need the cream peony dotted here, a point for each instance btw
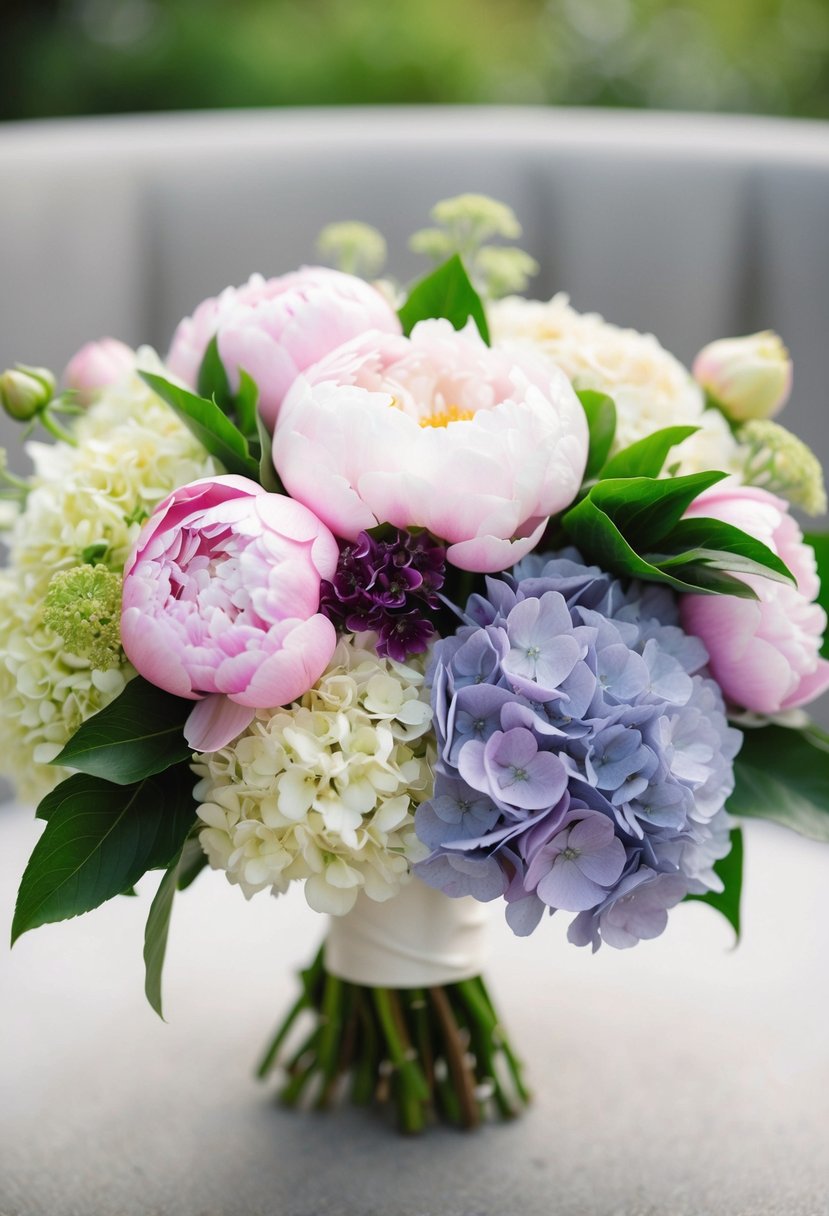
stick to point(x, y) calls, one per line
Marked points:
point(650, 387)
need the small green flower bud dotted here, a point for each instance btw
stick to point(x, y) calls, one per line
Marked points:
point(26, 391)
point(353, 247)
point(778, 461)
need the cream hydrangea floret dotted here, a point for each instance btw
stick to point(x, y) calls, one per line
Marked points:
point(650, 387)
point(325, 791)
point(86, 503)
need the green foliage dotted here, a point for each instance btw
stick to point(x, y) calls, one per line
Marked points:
point(634, 527)
point(646, 457)
point(601, 423)
point(760, 56)
point(446, 292)
point(212, 380)
point(730, 870)
point(210, 425)
point(99, 840)
point(156, 932)
point(820, 543)
point(135, 736)
point(783, 775)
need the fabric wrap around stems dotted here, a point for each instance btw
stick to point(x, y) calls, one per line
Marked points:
point(421, 938)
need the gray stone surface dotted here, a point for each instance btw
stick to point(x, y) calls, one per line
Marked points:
point(678, 1079)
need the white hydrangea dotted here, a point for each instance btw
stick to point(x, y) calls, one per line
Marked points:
point(650, 387)
point(324, 791)
point(132, 451)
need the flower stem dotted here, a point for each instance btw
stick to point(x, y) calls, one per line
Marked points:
point(435, 1053)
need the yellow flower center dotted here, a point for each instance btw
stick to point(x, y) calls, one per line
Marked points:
point(452, 413)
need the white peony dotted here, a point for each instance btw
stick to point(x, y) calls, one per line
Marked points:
point(325, 790)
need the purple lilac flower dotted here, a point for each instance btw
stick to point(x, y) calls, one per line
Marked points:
point(389, 585)
point(584, 756)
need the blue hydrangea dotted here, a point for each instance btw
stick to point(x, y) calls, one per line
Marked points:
point(584, 756)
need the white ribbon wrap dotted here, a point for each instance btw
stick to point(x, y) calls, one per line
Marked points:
point(419, 939)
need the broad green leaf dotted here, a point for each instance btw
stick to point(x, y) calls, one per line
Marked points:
point(211, 427)
point(646, 509)
point(820, 543)
point(724, 547)
point(446, 292)
point(646, 457)
point(99, 839)
point(212, 381)
point(267, 473)
point(783, 775)
point(730, 870)
point(601, 423)
point(155, 934)
point(136, 735)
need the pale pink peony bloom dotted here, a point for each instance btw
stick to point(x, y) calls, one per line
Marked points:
point(438, 431)
point(765, 653)
point(97, 365)
point(220, 605)
point(748, 377)
point(274, 328)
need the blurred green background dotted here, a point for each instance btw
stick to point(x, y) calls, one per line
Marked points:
point(106, 56)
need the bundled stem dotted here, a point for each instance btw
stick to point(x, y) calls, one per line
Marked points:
point(435, 1053)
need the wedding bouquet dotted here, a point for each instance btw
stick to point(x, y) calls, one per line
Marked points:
point(423, 599)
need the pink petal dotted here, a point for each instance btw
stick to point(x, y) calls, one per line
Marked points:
point(214, 722)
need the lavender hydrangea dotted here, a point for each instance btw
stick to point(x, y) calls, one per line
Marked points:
point(584, 756)
point(388, 584)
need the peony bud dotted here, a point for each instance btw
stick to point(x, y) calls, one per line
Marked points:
point(747, 377)
point(26, 391)
point(97, 365)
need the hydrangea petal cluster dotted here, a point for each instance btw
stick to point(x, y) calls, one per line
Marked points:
point(85, 501)
point(650, 387)
point(220, 602)
point(435, 431)
point(388, 585)
point(764, 653)
point(324, 792)
point(584, 757)
point(274, 328)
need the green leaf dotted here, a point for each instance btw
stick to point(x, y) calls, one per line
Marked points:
point(601, 423)
point(646, 509)
point(267, 473)
point(783, 775)
point(136, 735)
point(820, 543)
point(646, 457)
point(446, 292)
point(155, 934)
point(99, 839)
point(245, 403)
point(634, 527)
point(212, 381)
point(212, 428)
point(193, 861)
point(730, 870)
point(724, 547)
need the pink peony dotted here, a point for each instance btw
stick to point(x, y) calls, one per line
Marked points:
point(220, 603)
point(96, 366)
point(765, 653)
point(274, 328)
point(438, 431)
